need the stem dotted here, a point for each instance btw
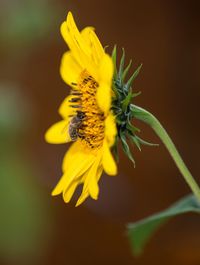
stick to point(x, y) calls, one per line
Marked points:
point(152, 121)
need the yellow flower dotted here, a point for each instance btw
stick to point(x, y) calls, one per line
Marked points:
point(86, 112)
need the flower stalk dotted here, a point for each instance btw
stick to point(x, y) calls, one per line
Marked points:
point(145, 116)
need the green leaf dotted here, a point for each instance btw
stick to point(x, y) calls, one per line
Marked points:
point(132, 78)
point(140, 232)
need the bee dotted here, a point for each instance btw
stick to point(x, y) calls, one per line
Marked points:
point(75, 124)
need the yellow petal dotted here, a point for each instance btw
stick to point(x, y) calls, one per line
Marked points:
point(103, 97)
point(65, 109)
point(68, 195)
point(82, 198)
point(72, 174)
point(108, 161)
point(110, 129)
point(106, 69)
point(60, 186)
point(91, 38)
point(76, 154)
point(94, 187)
point(58, 133)
point(70, 70)
point(85, 33)
point(92, 190)
point(75, 35)
point(80, 50)
point(104, 92)
point(76, 170)
point(92, 177)
point(76, 162)
point(75, 41)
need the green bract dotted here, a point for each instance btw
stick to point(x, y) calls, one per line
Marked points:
point(122, 106)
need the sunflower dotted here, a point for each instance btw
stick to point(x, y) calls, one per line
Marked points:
point(87, 119)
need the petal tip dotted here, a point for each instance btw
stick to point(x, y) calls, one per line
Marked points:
point(54, 193)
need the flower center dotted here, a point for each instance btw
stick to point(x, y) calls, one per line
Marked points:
point(88, 123)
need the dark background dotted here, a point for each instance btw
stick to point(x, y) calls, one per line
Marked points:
point(36, 228)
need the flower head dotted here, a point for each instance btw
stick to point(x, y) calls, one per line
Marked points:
point(87, 117)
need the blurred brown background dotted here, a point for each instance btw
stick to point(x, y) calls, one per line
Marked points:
point(38, 229)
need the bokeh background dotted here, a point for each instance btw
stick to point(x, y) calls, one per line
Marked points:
point(38, 229)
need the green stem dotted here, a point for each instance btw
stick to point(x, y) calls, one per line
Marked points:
point(152, 121)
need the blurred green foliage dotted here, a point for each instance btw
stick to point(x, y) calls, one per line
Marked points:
point(13, 118)
point(26, 220)
point(26, 21)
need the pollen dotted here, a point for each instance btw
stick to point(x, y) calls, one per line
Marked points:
point(91, 128)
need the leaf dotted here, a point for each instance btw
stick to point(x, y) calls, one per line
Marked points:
point(140, 232)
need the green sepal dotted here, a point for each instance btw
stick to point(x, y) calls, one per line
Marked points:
point(114, 59)
point(135, 140)
point(126, 70)
point(121, 65)
point(143, 142)
point(126, 148)
point(134, 95)
point(127, 101)
point(132, 78)
point(130, 127)
point(121, 104)
point(138, 141)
